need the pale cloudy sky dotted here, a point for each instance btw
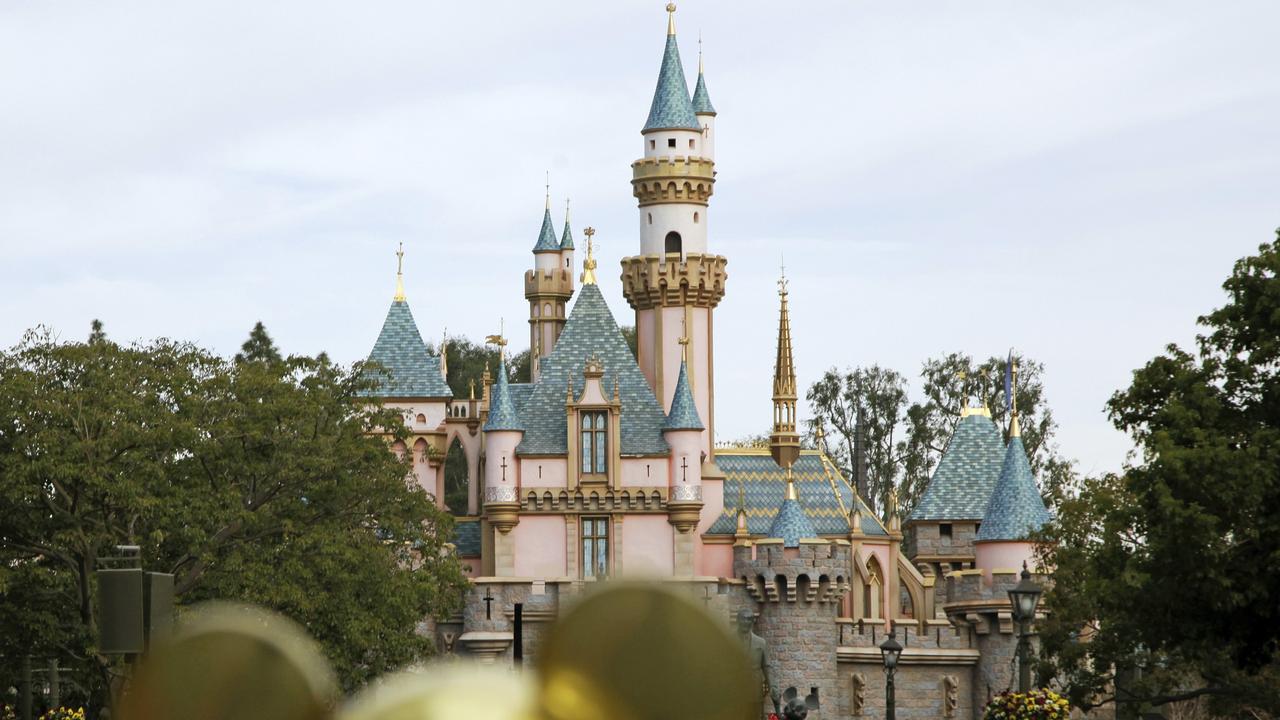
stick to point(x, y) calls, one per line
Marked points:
point(1070, 179)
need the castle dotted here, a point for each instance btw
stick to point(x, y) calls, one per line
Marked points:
point(606, 465)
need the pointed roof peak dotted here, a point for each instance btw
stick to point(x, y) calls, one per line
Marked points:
point(547, 235)
point(399, 296)
point(406, 369)
point(671, 108)
point(1016, 509)
point(791, 524)
point(502, 411)
point(701, 98)
point(566, 238)
point(684, 411)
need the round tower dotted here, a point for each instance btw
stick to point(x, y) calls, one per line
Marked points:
point(675, 283)
point(548, 287)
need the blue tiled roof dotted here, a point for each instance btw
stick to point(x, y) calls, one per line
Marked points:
point(502, 408)
point(684, 412)
point(408, 370)
point(1016, 508)
point(591, 330)
point(520, 394)
point(466, 538)
point(566, 238)
point(702, 100)
point(791, 524)
point(962, 483)
point(546, 236)
point(825, 496)
point(671, 108)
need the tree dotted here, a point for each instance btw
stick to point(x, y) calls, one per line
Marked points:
point(1165, 584)
point(878, 397)
point(467, 361)
point(263, 479)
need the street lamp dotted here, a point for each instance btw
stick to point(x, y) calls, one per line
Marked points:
point(1024, 597)
point(890, 650)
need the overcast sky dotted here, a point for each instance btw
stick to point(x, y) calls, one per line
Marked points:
point(1073, 180)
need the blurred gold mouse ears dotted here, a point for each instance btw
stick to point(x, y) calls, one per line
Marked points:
point(623, 652)
point(233, 661)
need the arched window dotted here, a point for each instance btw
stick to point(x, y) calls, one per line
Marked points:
point(594, 442)
point(456, 479)
point(673, 242)
point(650, 218)
point(695, 217)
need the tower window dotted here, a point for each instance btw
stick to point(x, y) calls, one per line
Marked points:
point(595, 443)
point(691, 144)
point(944, 530)
point(595, 547)
point(695, 216)
point(650, 218)
point(671, 142)
point(653, 144)
point(673, 243)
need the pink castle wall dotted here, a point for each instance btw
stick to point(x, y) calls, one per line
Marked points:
point(647, 545)
point(990, 556)
point(539, 543)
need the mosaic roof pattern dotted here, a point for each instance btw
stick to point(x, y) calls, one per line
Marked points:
point(408, 370)
point(791, 524)
point(466, 537)
point(1016, 508)
point(591, 331)
point(701, 99)
point(825, 496)
point(546, 236)
point(671, 106)
point(502, 409)
point(684, 412)
point(566, 238)
point(962, 483)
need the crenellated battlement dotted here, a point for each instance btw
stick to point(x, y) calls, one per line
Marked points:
point(650, 281)
point(815, 572)
point(552, 283)
point(673, 179)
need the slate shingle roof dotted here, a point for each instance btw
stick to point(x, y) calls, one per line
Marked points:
point(791, 525)
point(825, 496)
point(701, 99)
point(671, 108)
point(408, 370)
point(566, 238)
point(502, 408)
point(1016, 508)
point(466, 538)
point(591, 330)
point(684, 412)
point(962, 483)
point(546, 236)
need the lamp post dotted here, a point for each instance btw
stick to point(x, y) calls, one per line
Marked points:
point(890, 650)
point(1024, 597)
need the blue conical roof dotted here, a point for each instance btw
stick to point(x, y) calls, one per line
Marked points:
point(1016, 509)
point(502, 411)
point(961, 486)
point(684, 413)
point(791, 524)
point(547, 235)
point(671, 108)
point(407, 369)
point(566, 238)
point(701, 99)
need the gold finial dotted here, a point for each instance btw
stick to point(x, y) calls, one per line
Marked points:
point(791, 485)
point(671, 18)
point(548, 201)
point(444, 358)
point(1015, 430)
point(472, 384)
point(782, 279)
point(684, 338)
point(500, 340)
point(741, 530)
point(566, 211)
point(589, 264)
point(699, 52)
point(399, 296)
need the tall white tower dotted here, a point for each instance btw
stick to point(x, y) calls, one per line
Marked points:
point(674, 283)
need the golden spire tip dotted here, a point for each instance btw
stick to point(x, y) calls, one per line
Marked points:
point(589, 264)
point(671, 18)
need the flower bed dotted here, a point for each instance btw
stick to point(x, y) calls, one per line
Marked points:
point(1034, 705)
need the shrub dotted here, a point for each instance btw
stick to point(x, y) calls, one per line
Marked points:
point(1034, 705)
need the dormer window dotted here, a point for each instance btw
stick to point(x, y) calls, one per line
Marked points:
point(595, 442)
point(671, 142)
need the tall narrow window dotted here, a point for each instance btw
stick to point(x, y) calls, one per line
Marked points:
point(595, 443)
point(595, 547)
point(673, 242)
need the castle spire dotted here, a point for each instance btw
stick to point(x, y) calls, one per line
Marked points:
point(566, 238)
point(589, 264)
point(671, 108)
point(399, 296)
point(547, 235)
point(701, 98)
point(784, 442)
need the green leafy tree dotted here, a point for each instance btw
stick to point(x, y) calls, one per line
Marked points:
point(263, 479)
point(878, 397)
point(467, 361)
point(1166, 585)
